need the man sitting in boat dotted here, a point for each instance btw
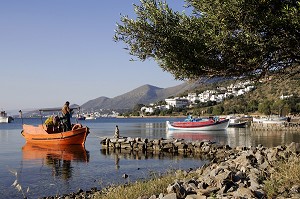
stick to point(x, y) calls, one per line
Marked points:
point(189, 118)
point(53, 124)
point(216, 119)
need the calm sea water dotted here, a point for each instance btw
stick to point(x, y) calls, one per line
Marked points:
point(42, 171)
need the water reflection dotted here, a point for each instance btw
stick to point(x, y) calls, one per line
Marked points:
point(123, 154)
point(214, 136)
point(274, 138)
point(238, 137)
point(246, 137)
point(58, 157)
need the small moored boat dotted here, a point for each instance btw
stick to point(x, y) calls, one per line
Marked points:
point(55, 134)
point(90, 117)
point(4, 118)
point(80, 117)
point(236, 122)
point(209, 124)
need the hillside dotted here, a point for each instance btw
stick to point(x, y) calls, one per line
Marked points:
point(145, 94)
point(273, 89)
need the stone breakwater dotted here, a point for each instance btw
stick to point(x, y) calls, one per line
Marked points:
point(232, 172)
point(205, 148)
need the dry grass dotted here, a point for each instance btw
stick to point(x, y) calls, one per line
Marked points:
point(286, 174)
point(154, 186)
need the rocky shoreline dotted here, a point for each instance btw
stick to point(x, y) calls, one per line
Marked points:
point(232, 173)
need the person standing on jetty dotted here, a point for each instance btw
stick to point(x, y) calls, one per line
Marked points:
point(66, 112)
point(117, 132)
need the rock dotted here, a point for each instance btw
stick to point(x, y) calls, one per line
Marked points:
point(295, 188)
point(161, 195)
point(271, 156)
point(222, 176)
point(191, 187)
point(264, 165)
point(260, 158)
point(152, 197)
point(208, 191)
point(145, 197)
point(178, 189)
point(243, 193)
point(294, 147)
point(194, 196)
point(170, 196)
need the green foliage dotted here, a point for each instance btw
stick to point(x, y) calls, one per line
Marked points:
point(219, 38)
point(218, 110)
point(206, 104)
point(252, 106)
point(138, 107)
point(135, 113)
point(265, 107)
point(209, 110)
point(156, 112)
point(293, 104)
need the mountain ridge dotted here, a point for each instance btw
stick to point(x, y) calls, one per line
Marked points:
point(145, 94)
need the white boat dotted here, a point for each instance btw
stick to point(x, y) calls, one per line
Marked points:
point(205, 125)
point(80, 117)
point(236, 122)
point(4, 118)
point(90, 117)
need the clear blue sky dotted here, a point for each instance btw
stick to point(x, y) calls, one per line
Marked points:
point(59, 50)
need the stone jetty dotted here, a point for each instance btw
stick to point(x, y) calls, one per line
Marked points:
point(284, 126)
point(156, 146)
point(231, 173)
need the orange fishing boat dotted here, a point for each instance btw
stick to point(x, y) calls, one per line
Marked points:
point(43, 135)
point(55, 134)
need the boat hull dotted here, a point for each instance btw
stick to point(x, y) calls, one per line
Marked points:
point(39, 135)
point(199, 126)
point(238, 125)
point(4, 120)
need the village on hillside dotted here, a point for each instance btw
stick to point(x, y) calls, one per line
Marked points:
point(217, 95)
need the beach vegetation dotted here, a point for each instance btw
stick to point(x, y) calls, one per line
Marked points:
point(157, 184)
point(284, 177)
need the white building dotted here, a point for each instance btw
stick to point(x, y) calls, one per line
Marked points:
point(217, 95)
point(145, 109)
point(177, 102)
point(205, 96)
point(192, 97)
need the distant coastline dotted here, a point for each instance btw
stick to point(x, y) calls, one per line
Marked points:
point(154, 116)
